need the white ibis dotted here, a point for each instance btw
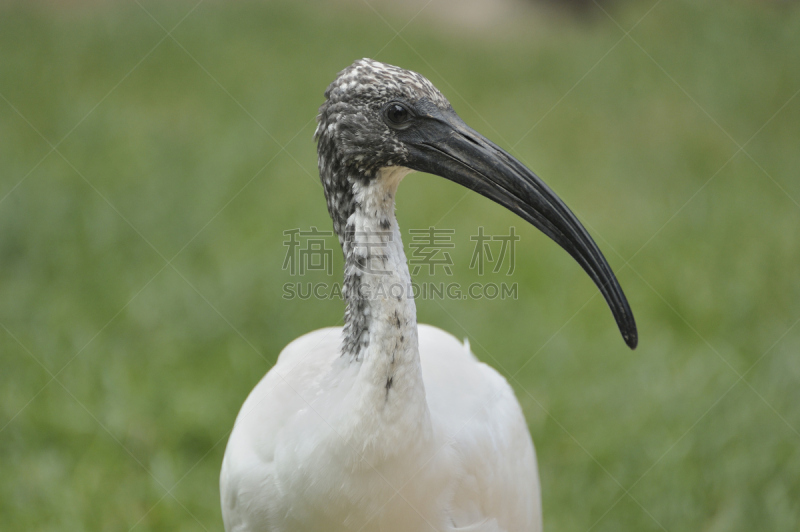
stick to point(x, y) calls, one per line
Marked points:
point(384, 425)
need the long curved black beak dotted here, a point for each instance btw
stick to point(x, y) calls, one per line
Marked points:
point(444, 145)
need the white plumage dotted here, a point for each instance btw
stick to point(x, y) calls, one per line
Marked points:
point(295, 461)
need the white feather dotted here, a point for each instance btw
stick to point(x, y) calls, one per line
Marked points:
point(292, 465)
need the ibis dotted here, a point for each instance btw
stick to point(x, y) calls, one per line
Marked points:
point(385, 425)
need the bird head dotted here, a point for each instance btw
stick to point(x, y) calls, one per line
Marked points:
point(377, 116)
point(368, 109)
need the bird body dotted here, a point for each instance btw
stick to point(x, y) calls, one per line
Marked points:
point(383, 425)
point(460, 460)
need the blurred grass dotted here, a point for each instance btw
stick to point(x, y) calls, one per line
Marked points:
point(165, 159)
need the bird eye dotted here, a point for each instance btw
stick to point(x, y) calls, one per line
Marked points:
point(397, 114)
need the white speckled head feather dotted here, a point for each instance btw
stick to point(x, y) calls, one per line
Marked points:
point(350, 133)
point(367, 79)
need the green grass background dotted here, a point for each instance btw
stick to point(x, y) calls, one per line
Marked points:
point(140, 262)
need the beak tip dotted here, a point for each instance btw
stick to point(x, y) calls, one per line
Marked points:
point(631, 339)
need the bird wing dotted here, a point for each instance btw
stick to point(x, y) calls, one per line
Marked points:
point(496, 486)
point(247, 480)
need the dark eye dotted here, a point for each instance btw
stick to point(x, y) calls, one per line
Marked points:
point(397, 114)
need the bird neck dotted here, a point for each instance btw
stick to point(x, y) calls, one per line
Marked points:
point(380, 332)
point(380, 315)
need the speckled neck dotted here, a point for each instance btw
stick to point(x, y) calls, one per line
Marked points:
point(380, 313)
point(380, 336)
